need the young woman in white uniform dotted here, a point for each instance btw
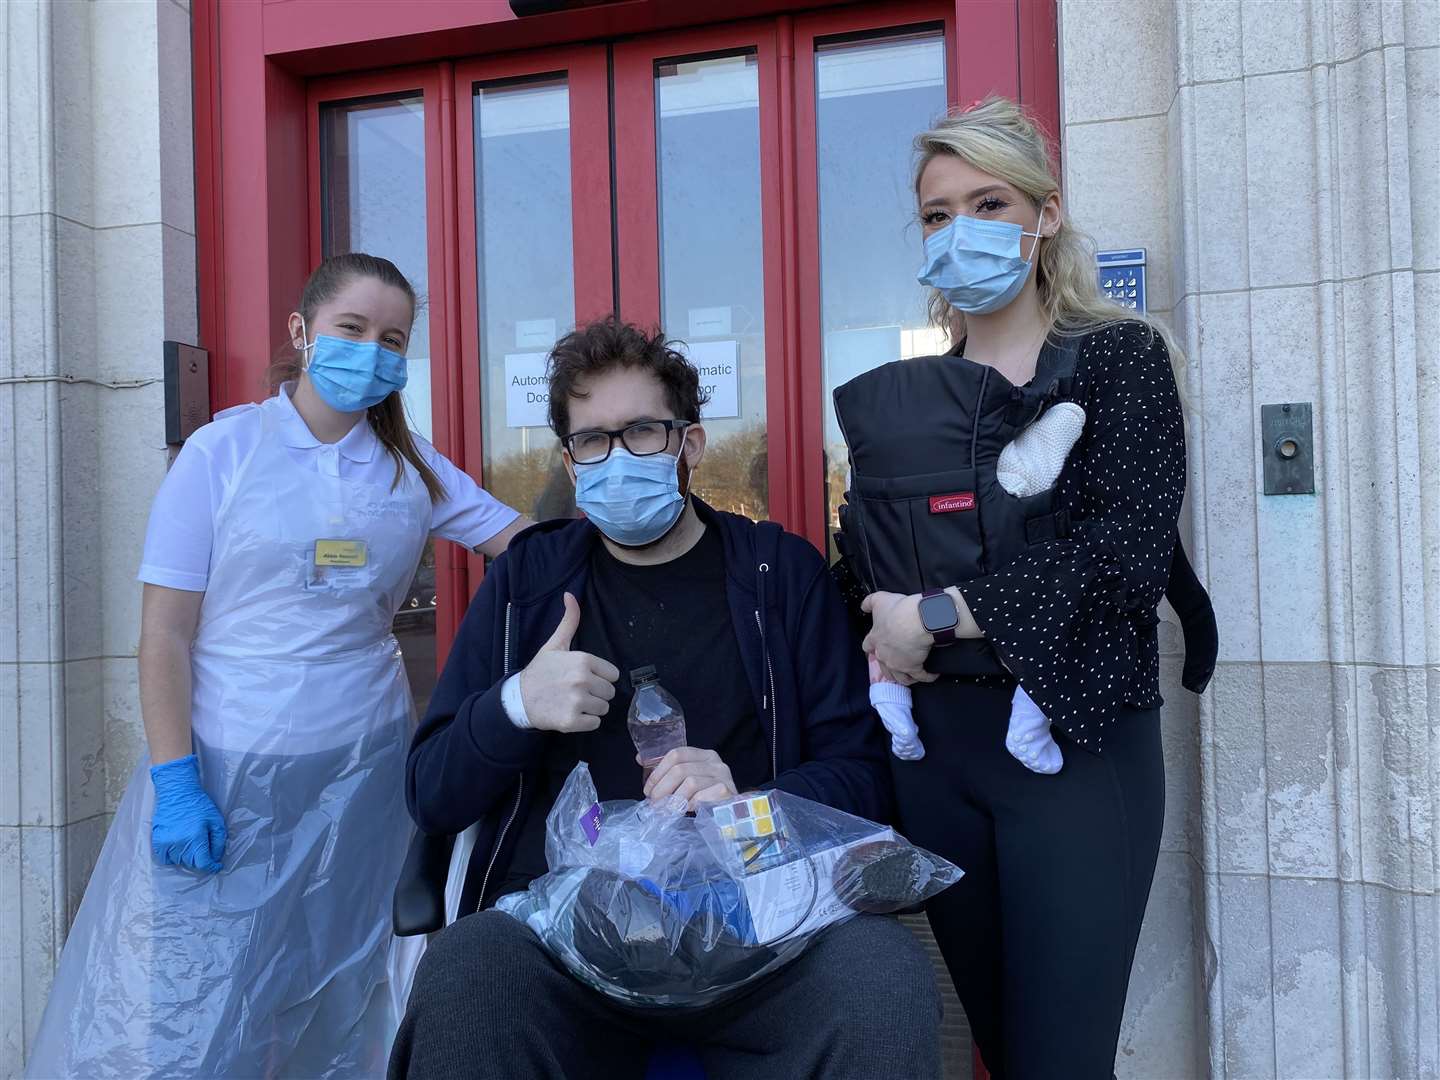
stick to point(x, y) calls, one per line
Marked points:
point(237, 923)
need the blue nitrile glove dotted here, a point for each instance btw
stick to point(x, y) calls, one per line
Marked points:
point(188, 829)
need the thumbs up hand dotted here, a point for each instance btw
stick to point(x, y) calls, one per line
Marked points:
point(564, 690)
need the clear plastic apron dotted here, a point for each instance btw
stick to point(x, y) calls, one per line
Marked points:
point(283, 964)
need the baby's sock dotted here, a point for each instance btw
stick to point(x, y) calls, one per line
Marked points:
point(1028, 739)
point(893, 702)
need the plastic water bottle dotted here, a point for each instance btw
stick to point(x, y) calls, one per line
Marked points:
point(656, 721)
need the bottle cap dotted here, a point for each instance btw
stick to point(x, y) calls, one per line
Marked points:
point(643, 676)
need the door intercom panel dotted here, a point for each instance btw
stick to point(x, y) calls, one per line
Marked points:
point(1122, 277)
point(187, 390)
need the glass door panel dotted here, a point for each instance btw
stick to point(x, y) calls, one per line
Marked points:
point(525, 283)
point(872, 97)
point(372, 199)
point(712, 283)
point(372, 167)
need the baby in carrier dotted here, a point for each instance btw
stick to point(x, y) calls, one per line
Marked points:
point(1029, 465)
point(954, 474)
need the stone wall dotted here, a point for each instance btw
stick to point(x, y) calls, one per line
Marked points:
point(1278, 158)
point(97, 269)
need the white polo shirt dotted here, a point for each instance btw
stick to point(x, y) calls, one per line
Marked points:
point(179, 537)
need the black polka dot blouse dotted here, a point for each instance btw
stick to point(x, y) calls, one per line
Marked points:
point(1074, 619)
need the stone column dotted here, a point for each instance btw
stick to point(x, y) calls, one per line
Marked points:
point(97, 268)
point(1307, 144)
point(1293, 147)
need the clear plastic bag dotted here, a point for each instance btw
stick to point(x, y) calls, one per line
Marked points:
point(654, 906)
point(280, 965)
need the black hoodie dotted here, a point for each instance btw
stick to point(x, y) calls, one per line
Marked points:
point(468, 763)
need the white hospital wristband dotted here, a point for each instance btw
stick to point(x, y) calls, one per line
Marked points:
point(513, 703)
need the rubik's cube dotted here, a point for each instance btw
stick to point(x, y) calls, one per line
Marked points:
point(752, 822)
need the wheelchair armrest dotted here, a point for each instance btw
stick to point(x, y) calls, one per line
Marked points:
point(419, 906)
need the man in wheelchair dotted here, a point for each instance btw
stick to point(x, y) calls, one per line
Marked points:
point(746, 630)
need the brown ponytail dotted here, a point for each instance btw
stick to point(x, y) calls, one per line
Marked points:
point(387, 419)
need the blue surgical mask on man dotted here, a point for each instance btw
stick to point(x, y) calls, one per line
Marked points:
point(351, 376)
point(977, 264)
point(632, 500)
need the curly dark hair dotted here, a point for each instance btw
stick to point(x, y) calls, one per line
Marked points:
point(607, 344)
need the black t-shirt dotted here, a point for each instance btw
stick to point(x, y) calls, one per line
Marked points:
point(676, 617)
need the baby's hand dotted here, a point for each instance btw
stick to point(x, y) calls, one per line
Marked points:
point(879, 672)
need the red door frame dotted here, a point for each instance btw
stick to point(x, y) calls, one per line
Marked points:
point(252, 226)
point(587, 75)
point(256, 137)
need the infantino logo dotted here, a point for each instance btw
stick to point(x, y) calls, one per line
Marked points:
point(948, 504)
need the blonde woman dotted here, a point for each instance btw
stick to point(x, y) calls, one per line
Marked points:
point(1046, 599)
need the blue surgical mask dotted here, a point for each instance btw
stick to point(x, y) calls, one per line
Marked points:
point(632, 500)
point(977, 264)
point(351, 376)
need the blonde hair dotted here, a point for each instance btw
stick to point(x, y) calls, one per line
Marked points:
point(998, 138)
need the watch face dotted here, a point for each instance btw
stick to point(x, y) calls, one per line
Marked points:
point(938, 613)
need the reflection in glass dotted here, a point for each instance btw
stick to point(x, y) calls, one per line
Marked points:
point(526, 281)
point(372, 199)
point(712, 293)
point(873, 97)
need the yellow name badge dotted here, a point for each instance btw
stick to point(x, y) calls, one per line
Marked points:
point(340, 553)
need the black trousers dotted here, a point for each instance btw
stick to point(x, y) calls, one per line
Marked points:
point(490, 1003)
point(1040, 934)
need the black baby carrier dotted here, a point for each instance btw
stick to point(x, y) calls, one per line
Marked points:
point(925, 510)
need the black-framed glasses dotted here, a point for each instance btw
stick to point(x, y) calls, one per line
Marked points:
point(642, 439)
